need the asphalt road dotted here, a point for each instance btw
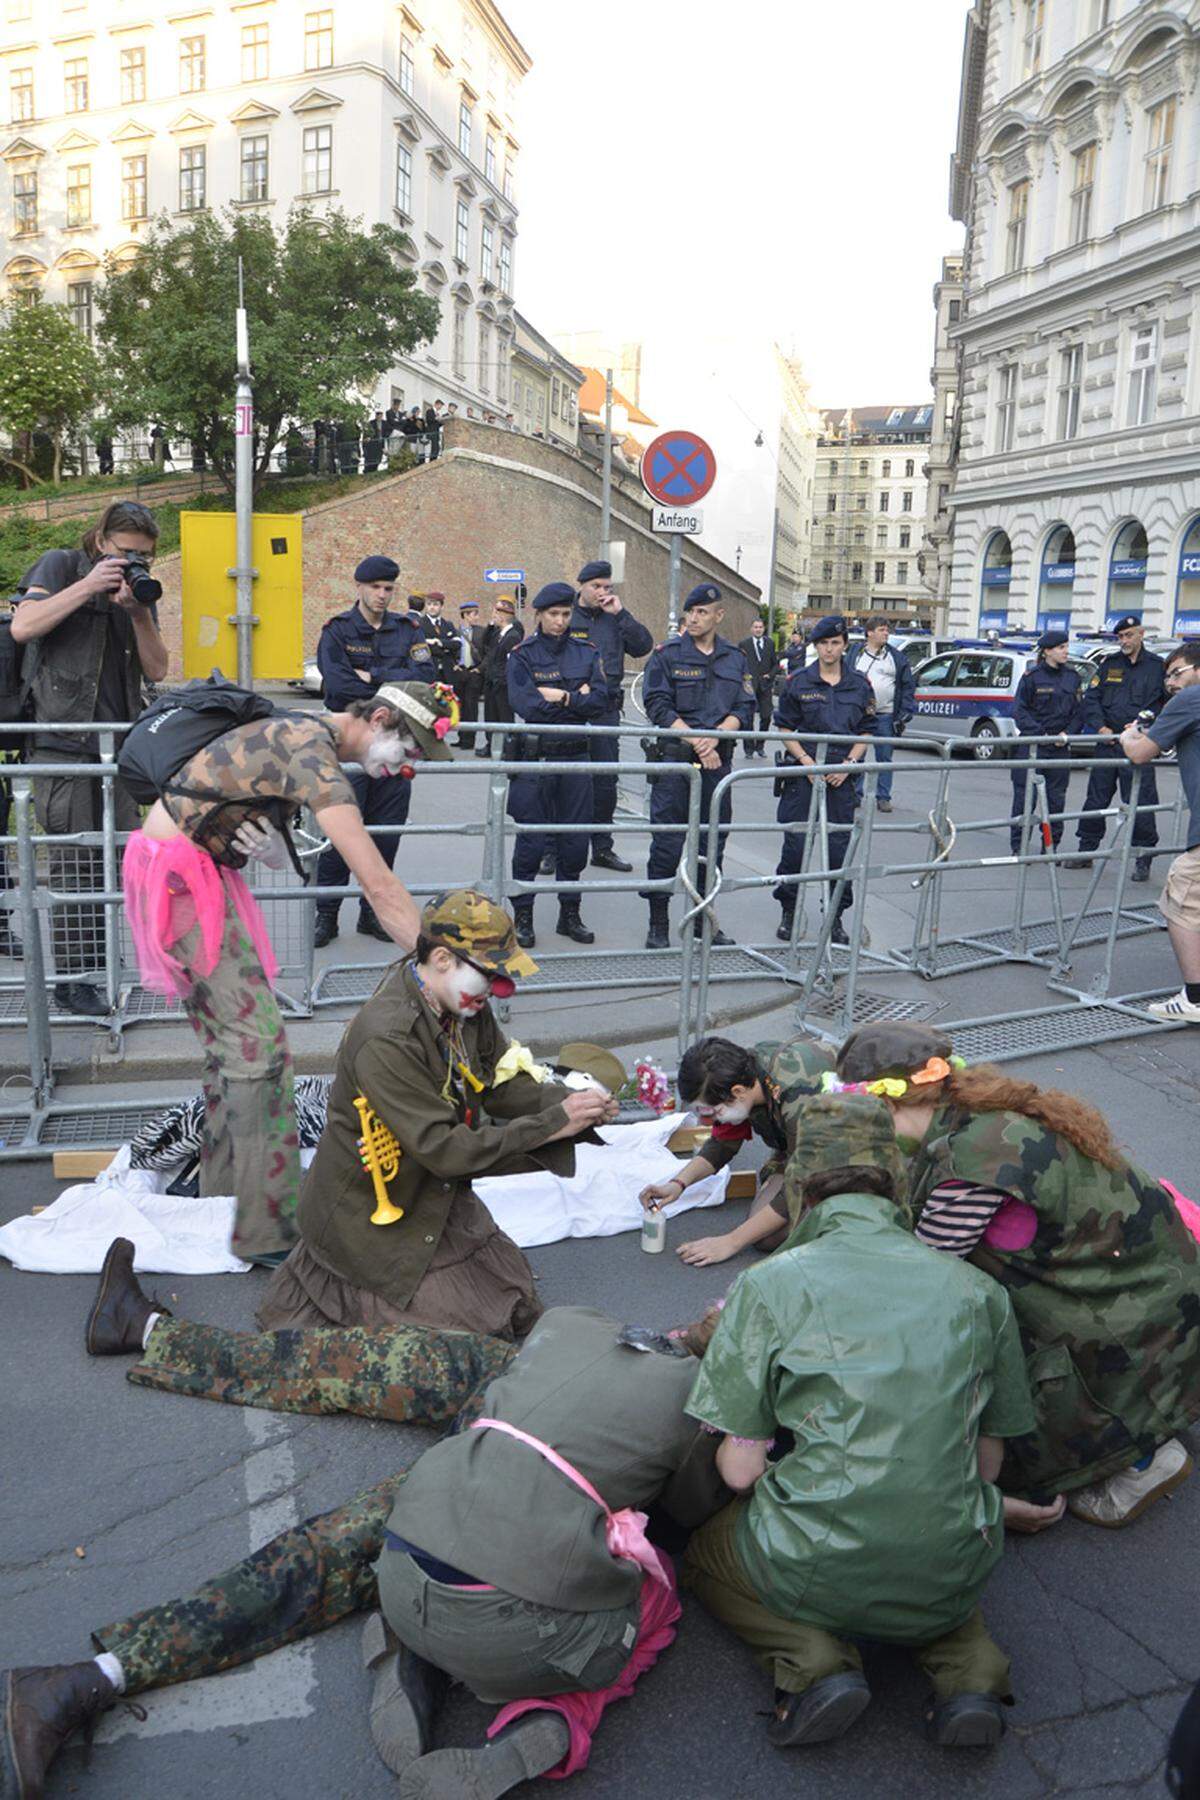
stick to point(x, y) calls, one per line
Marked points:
point(159, 1494)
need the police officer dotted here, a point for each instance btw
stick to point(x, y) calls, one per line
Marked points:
point(822, 696)
point(1128, 683)
point(600, 618)
point(501, 638)
point(358, 652)
point(553, 679)
point(468, 670)
point(1047, 704)
point(441, 637)
point(695, 683)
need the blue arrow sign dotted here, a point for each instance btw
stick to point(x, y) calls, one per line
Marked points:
point(506, 575)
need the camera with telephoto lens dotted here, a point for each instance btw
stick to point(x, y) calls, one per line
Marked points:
point(139, 580)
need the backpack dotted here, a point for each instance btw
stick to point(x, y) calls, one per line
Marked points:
point(177, 726)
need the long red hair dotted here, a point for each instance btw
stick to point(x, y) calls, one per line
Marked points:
point(985, 1089)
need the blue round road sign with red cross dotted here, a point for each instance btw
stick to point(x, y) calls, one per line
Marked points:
point(678, 468)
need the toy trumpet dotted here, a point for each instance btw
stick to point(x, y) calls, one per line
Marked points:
point(379, 1154)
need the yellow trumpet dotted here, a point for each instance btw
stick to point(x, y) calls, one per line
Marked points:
point(380, 1155)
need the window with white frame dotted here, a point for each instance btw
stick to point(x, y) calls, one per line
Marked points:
point(133, 75)
point(856, 571)
point(885, 501)
point(193, 177)
point(541, 406)
point(864, 467)
point(880, 571)
point(256, 52)
point(404, 170)
point(831, 503)
point(1006, 408)
point(502, 368)
point(254, 167)
point(910, 467)
point(826, 571)
point(1143, 375)
point(487, 250)
point(833, 469)
point(906, 500)
point(191, 65)
point(489, 158)
point(885, 467)
point(458, 351)
point(1034, 31)
point(485, 357)
point(860, 501)
point(318, 40)
point(20, 88)
point(901, 574)
point(1070, 387)
point(860, 534)
point(1018, 216)
point(408, 68)
point(505, 264)
point(75, 84)
point(464, 127)
point(881, 536)
point(462, 232)
point(25, 204)
point(1083, 181)
point(79, 195)
point(1159, 142)
point(317, 173)
point(133, 188)
point(79, 305)
point(507, 185)
point(905, 536)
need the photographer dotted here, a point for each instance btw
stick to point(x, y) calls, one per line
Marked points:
point(90, 626)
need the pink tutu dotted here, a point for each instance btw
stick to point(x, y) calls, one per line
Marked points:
point(170, 885)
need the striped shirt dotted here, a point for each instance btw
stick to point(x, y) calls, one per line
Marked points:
point(958, 1214)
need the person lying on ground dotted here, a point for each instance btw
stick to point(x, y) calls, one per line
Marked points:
point(564, 1604)
point(877, 1517)
point(418, 1074)
point(1103, 1274)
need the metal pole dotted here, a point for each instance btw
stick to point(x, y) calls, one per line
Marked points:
point(771, 577)
point(606, 483)
point(244, 498)
point(675, 581)
point(37, 1019)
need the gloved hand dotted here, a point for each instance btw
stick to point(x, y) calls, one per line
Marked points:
point(259, 840)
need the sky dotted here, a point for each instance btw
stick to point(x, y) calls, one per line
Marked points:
point(775, 171)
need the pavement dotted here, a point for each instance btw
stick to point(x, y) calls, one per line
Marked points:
point(1102, 1627)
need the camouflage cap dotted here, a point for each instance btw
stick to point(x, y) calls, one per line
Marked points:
point(889, 1048)
point(476, 928)
point(835, 1131)
point(423, 707)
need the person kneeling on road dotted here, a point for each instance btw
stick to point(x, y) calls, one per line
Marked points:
point(198, 932)
point(418, 1081)
point(882, 1521)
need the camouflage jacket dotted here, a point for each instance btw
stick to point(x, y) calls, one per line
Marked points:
point(1107, 1296)
point(792, 1075)
point(394, 1054)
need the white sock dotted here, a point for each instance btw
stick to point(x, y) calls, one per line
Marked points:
point(109, 1665)
point(151, 1322)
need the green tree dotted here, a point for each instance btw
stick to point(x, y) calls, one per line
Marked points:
point(49, 381)
point(330, 307)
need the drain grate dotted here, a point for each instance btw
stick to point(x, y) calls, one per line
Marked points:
point(868, 1007)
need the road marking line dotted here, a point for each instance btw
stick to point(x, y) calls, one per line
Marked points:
point(280, 1686)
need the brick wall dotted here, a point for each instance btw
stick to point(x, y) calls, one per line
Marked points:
point(492, 499)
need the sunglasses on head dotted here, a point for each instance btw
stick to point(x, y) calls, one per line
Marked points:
point(503, 986)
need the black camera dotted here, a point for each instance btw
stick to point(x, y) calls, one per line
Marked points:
point(140, 581)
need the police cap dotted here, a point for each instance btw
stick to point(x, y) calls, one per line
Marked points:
point(594, 571)
point(1125, 621)
point(1050, 640)
point(468, 606)
point(833, 625)
point(555, 593)
point(377, 568)
point(707, 594)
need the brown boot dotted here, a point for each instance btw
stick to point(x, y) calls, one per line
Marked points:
point(41, 1709)
point(117, 1321)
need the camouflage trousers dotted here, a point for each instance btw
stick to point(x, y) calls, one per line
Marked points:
point(308, 1578)
point(251, 1145)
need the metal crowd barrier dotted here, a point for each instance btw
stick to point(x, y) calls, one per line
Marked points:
point(825, 978)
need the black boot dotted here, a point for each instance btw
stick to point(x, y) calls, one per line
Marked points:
point(966, 1721)
point(10, 943)
point(117, 1321)
point(39, 1710)
point(608, 859)
point(659, 935)
point(369, 926)
point(523, 921)
point(82, 997)
point(1141, 869)
point(408, 1693)
point(524, 1750)
point(784, 933)
point(326, 928)
point(823, 1712)
point(570, 925)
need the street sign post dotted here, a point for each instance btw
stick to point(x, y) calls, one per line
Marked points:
point(509, 577)
point(678, 469)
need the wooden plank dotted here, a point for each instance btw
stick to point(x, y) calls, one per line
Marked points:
point(742, 1185)
point(688, 1139)
point(81, 1165)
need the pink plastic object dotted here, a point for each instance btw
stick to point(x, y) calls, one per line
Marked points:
point(1013, 1226)
point(170, 885)
point(1189, 1212)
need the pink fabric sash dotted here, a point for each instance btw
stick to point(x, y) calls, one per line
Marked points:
point(625, 1531)
point(170, 885)
point(1189, 1212)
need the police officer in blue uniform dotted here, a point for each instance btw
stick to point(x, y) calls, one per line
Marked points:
point(553, 679)
point(358, 651)
point(1128, 683)
point(822, 696)
point(1047, 704)
point(695, 683)
point(600, 618)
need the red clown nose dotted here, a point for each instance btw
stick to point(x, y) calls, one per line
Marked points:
point(407, 771)
point(503, 987)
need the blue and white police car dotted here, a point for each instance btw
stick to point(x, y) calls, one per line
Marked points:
point(968, 693)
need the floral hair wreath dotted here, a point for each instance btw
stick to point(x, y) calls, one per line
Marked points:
point(450, 720)
point(894, 1087)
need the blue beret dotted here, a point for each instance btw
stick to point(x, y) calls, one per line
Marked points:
point(594, 571)
point(707, 594)
point(1050, 640)
point(555, 593)
point(832, 626)
point(1125, 621)
point(377, 568)
point(468, 606)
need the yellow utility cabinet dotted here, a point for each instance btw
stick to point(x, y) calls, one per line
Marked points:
point(207, 544)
